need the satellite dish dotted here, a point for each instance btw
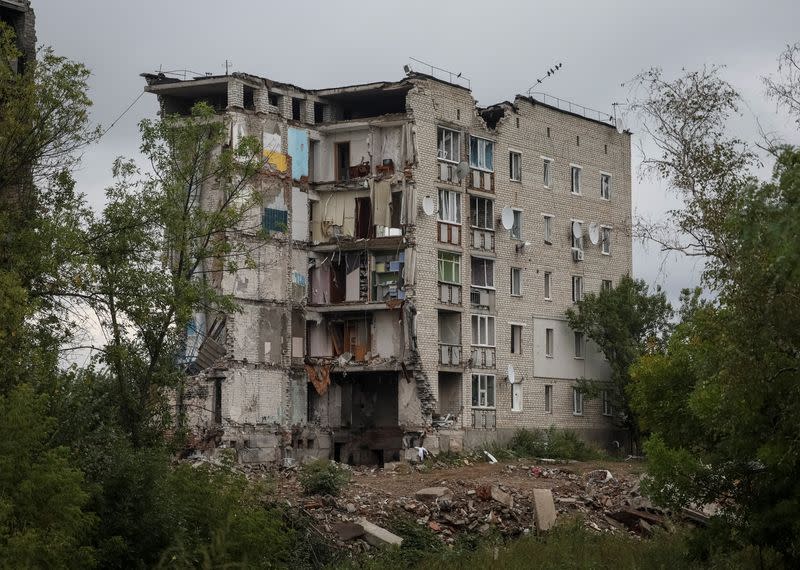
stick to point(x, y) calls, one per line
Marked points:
point(427, 205)
point(577, 231)
point(462, 170)
point(507, 218)
point(620, 125)
point(512, 376)
point(594, 232)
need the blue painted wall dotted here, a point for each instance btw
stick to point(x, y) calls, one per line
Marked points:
point(298, 150)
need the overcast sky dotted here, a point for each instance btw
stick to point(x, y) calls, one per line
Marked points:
point(501, 46)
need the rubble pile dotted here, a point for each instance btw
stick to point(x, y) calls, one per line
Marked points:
point(516, 499)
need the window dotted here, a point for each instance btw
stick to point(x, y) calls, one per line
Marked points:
point(516, 229)
point(481, 213)
point(275, 220)
point(483, 390)
point(577, 288)
point(577, 402)
point(548, 399)
point(449, 206)
point(515, 166)
point(548, 342)
point(449, 267)
point(548, 229)
point(482, 272)
point(516, 339)
point(319, 112)
point(548, 277)
point(481, 153)
point(482, 330)
point(448, 145)
point(516, 396)
point(605, 186)
point(577, 140)
point(579, 344)
point(606, 285)
point(608, 409)
point(605, 240)
point(516, 281)
point(547, 167)
point(297, 108)
point(576, 179)
point(548, 132)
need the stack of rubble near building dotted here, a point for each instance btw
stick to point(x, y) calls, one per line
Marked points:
point(390, 302)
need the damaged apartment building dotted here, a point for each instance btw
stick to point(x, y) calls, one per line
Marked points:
point(423, 251)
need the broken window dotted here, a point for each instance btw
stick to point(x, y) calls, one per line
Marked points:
point(482, 272)
point(482, 330)
point(342, 151)
point(516, 228)
point(516, 281)
point(448, 144)
point(481, 213)
point(605, 186)
point(449, 206)
point(515, 166)
point(275, 220)
point(319, 112)
point(449, 328)
point(449, 267)
point(576, 179)
point(577, 402)
point(483, 390)
point(516, 339)
point(274, 99)
point(481, 153)
point(298, 106)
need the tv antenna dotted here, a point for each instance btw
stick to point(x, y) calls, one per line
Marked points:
point(550, 72)
point(227, 66)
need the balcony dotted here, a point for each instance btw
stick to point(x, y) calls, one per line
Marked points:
point(482, 298)
point(481, 180)
point(449, 233)
point(484, 419)
point(482, 239)
point(450, 294)
point(483, 357)
point(449, 354)
point(447, 173)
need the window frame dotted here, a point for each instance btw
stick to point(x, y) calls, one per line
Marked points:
point(549, 342)
point(480, 162)
point(579, 280)
point(575, 188)
point(547, 172)
point(577, 402)
point(606, 285)
point(548, 398)
point(515, 232)
point(453, 199)
point(548, 228)
point(548, 285)
point(608, 407)
point(579, 345)
point(518, 271)
point(485, 260)
point(512, 154)
point(520, 332)
point(605, 189)
point(454, 142)
point(486, 318)
point(488, 214)
point(485, 389)
point(456, 263)
point(605, 240)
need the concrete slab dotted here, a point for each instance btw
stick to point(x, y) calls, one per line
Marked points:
point(502, 497)
point(432, 493)
point(545, 509)
point(378, 536)
point(348, 531)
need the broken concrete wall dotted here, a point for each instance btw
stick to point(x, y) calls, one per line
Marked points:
point(334, 215)
point(387, 335)
point(324, 164)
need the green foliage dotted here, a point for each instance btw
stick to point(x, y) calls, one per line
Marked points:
point(43, 520)
point(625, 322)
point(416, 537)
point(323, 477)
point(552, 443)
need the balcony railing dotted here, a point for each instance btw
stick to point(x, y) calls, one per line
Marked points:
point(449, 294)
point(483, 357)
point(449, 354)
point(483, 239)
point(449, 233)
point(481, 298)
point(480, 180)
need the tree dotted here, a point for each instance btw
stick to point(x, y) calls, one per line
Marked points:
point(625, 322)
point(723, 401)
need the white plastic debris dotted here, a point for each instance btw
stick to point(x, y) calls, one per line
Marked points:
point(490, 456)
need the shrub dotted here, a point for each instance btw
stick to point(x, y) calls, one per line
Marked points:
point(553, 443)
point(323, 477)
